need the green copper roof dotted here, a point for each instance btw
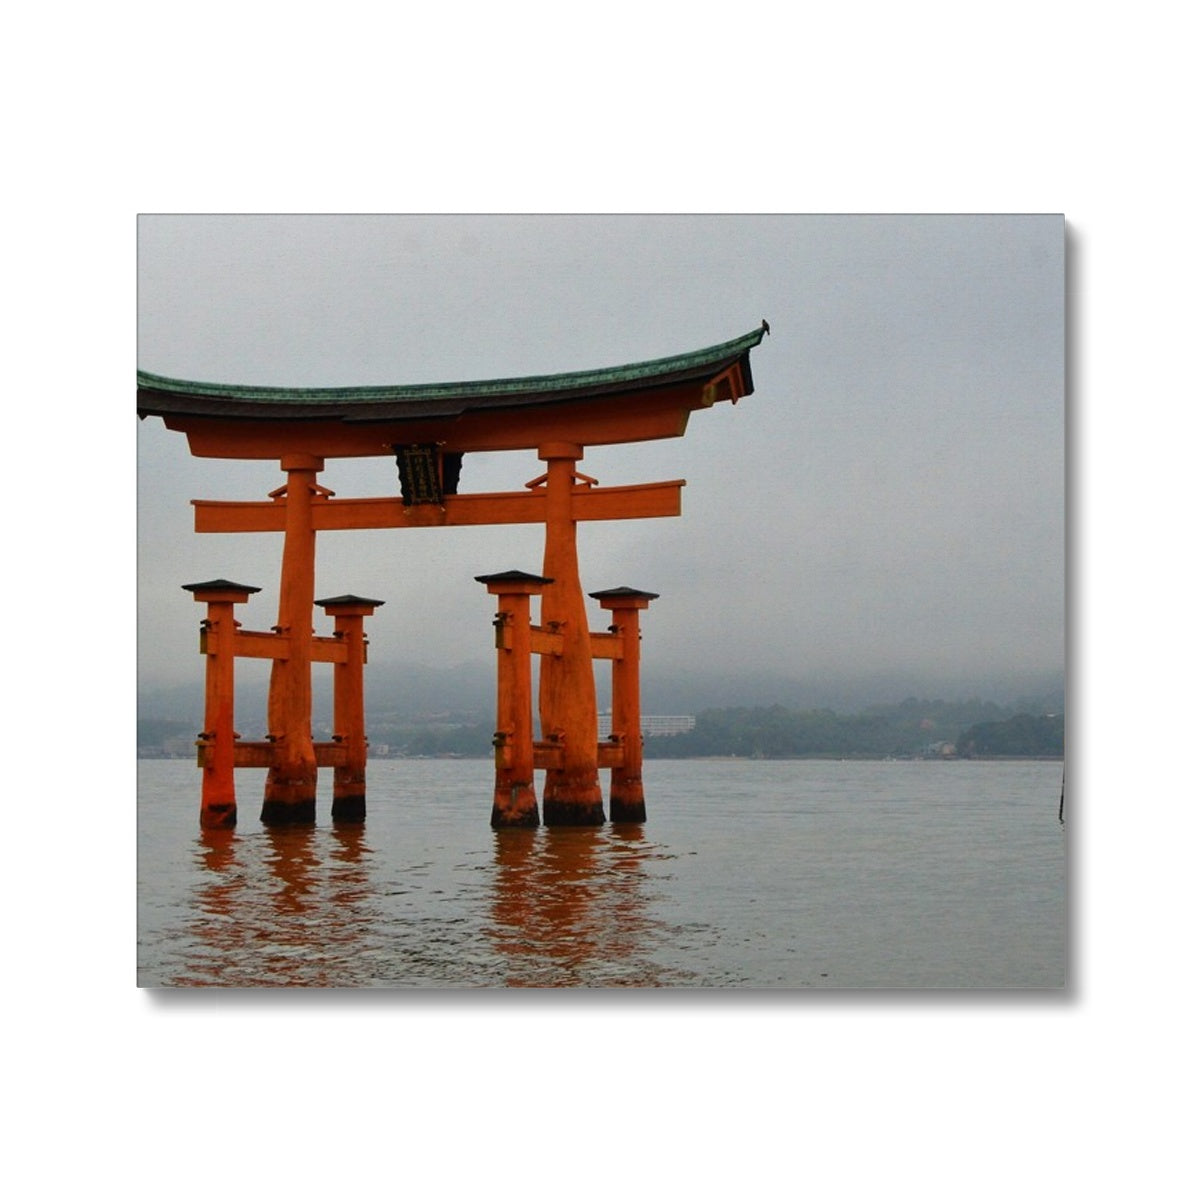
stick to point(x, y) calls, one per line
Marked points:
point(158, 394)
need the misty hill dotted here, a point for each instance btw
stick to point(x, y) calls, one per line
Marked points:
point(1022, 736)
point(411, 691)
point(911, 729)
point(419, 710)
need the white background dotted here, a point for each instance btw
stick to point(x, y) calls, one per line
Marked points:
point(923, 107)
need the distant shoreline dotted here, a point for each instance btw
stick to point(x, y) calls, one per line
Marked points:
point(698, 758)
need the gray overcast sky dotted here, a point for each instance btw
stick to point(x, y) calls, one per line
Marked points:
point(889, 500)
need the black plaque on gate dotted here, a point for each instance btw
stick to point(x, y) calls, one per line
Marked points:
point(419, 469)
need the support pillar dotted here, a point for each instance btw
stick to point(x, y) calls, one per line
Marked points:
point(567, 687)
point(626, 799)
point(218, 795)
point(290, 797)
point(349, 720)
point(514, 802)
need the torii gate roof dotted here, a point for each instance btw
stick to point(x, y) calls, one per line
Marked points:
point(633, 402)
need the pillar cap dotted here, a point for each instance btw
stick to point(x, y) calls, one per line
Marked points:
point(220, 589)
point(624, 597)
point(513, 582)
point(349, 598)
point(349, 601)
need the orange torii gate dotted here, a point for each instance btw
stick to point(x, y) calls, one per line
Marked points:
point(428, 428)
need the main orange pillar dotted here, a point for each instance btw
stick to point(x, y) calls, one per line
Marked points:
point(567, 686)
point(218, 795)
point(349, 720)
point(626, 799)
point(290, 797)
point(514, 803)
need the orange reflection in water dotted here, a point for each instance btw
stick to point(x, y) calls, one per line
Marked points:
point(256, 928)
point(567, 902)
point(303, 907)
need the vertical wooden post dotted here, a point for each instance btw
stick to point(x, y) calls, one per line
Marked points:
point(290, 797)
point(349, 720)
point(218, 795)
point(626, 798)
point(567, 686)
point(514, 802)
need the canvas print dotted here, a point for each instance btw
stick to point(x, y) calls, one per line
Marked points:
point(602, 601)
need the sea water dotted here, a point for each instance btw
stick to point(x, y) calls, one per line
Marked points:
point(747, 874)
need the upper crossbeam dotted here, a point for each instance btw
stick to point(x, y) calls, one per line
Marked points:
point(485, 508)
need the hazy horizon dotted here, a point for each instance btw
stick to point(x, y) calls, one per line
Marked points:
point(416, 689)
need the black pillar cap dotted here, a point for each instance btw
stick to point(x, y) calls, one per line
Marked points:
point(219, 585)
point(512, 577)
point(624, 593)
point(349, 599)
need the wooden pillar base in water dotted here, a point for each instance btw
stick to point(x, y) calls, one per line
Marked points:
point(290, 795)
point(296, 806)
point(514, 806)
point(218, 815)
point(572, 798)
point(350, 809)
point(626, 801)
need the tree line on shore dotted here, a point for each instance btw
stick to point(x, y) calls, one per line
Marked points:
point(910, 729)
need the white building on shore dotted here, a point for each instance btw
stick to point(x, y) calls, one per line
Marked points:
point(652, 726)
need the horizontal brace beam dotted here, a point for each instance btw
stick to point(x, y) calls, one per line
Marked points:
point(610, 754)
point(543, 641)
point(549, 756)
point(253, 643)
point(607, 645)
point(332, 650)
point(484, 508)
point(262, 754)
point(249, 643)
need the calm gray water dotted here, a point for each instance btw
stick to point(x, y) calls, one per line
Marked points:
point(747, 874)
